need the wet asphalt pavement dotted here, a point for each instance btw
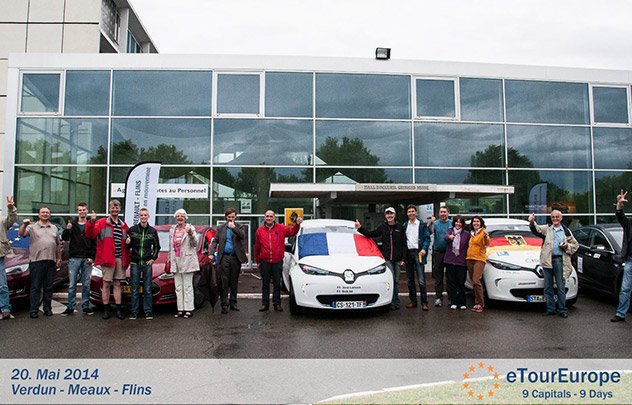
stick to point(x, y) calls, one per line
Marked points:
point(501, 331)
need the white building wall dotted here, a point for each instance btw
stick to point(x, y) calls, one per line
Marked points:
point(45, 26)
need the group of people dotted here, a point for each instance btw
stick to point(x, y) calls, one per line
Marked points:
point(458, 250)
point(112, 245)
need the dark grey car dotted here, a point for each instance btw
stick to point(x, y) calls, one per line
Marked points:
point(598, 260)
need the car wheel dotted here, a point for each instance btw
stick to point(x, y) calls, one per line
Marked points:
point(295, 309)
point(572, 302)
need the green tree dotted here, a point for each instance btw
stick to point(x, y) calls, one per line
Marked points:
point(349, 152)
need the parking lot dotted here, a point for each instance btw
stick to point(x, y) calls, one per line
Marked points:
point(501, 331)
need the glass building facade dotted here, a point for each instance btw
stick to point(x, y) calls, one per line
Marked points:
point(563, 139)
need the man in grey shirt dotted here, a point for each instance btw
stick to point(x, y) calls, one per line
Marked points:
point(44, 257)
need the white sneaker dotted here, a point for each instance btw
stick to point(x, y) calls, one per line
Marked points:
point(452, 307)
point(463, 307)
point(438, 302)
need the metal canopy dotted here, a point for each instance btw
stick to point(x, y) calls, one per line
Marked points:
point(387, 193)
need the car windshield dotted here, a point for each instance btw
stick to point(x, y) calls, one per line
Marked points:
point(616, 236)
point(520, 227)
point(511, 240)
point(163, 236)
point(343, 243)
point(329, 229)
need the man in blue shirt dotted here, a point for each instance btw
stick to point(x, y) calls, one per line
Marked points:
point(439, 228)
point(230, 255)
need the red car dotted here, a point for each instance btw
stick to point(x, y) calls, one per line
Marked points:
point(16, 265)
point(163, 287)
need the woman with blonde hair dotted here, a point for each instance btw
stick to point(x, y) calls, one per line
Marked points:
point(476, 259)
point(183, 261)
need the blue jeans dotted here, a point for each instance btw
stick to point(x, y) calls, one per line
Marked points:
point(5, 305)
point(135, 272)
point(394, 266)
point(42, 276)
point(557, 273)
point(626, 287)
point(76, 266)
point(414, 267)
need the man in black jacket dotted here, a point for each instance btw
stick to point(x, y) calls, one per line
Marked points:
point(394, 247)
point(626, 253)
point(229, 243)
point(82, 252)
point(145, 246)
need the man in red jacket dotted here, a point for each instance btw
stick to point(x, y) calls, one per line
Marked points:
point(112, 254)
point(269, 252)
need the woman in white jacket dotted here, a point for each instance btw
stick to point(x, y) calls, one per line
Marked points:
point(183, 261)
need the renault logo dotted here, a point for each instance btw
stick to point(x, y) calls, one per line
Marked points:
point(539, 271)
point(348, 276)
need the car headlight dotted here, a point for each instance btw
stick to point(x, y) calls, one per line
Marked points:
point(165, 276)
point(506, 266)
point(96, 272)
point(377, 270)
point(15, 270)
point(313, 271)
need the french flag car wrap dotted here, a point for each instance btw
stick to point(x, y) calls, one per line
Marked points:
point(332, 244)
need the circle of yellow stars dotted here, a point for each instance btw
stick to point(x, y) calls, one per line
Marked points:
point(481, 367)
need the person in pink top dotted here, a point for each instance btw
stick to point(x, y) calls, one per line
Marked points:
point(183, 261)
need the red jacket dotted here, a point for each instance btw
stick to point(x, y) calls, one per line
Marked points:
point(102, 231)
point(270, 242)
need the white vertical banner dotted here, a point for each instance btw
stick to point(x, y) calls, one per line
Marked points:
point(141, 190)
point(538, 202)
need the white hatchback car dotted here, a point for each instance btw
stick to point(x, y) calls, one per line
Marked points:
point(332, 266)
point(513, 271)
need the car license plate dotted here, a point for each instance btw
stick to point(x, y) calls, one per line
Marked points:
point(127, 289)
point(538, 298)
point(349, 304)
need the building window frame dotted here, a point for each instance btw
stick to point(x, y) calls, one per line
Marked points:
point(457, 103)
point(61, 92)
point(596, 123)
point(261, 101)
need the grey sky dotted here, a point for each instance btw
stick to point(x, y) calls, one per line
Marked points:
point(574, 33)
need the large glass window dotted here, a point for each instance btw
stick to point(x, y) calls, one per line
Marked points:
point(61, 141)
point(610, 105)
point(362, 96)
point(60, 188)
point(607, 186)
point(485, 205)
point(168, 140)
point(435, 98)
point(547, 146)
point(238, 93)
point(459, 145)
point(363, 143)
point(174, 175)
point(262, 142)
point(481, 99)
point(547, 102)
point(459, 176)
point(251, 185)
point(612, 148)
point(377, 175)
point(162, 93)
point(289, 94)
point(40, 92)
point(567, 191)
point(87, 93)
